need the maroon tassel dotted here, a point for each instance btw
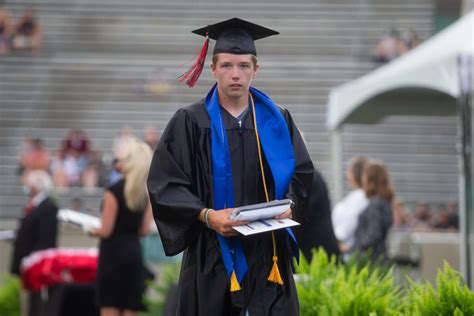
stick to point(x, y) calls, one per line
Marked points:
point(191, 76)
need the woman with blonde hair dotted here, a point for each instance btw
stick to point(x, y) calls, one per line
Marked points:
point(126, 215)
point(375, 221)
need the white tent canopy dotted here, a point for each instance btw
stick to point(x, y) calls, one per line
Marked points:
point(431, 67)
point(426, 81)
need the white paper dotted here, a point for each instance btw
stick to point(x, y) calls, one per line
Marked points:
point(265, 226)
point(86, 221)
point(260, 211)
point(7, 234)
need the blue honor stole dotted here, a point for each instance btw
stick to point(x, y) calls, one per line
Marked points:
point(276, 144)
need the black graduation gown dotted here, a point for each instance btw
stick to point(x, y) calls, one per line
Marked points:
point(180, 185)
point(316, 226)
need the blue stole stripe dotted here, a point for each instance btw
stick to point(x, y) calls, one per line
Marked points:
point(276, 144)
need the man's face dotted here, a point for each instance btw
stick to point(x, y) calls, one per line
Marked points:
point(234, 73)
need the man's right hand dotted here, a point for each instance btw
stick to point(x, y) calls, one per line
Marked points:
point(220, 222)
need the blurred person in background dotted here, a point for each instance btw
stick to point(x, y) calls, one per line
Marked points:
point(28, 33)
point(388, 48)
point(375, 221)
point(126, 215)
point(346, 213)
point(441, 218)
point(453, 215)
point(77, 144)
point(408, 41)
point(93, 175)
point(76, 156)
point(446, 218)
point(5, 30)
point(401, 218)
point(421, 220)
point(151, 137)
point(58, 170)
point(38, 227)
point(34, 157)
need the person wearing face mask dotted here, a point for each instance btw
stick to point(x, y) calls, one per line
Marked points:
point(38, 227)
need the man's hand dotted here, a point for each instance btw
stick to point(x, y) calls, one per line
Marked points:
point(343, 247)
point(286, 214)
point(220, 222)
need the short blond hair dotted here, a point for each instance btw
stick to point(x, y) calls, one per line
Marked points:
point(215, 59)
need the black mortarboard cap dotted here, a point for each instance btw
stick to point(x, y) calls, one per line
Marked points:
point(235, 36)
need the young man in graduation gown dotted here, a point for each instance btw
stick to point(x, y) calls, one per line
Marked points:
point(233, 148)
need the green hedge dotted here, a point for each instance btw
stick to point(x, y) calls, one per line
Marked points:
point(327, 288)
point(155, 301)
point(10, 296)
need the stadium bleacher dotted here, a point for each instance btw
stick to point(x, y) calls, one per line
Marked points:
point(96, 54)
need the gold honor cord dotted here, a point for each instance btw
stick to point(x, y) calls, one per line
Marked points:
point(274, 275)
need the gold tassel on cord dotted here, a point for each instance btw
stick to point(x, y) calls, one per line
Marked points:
point(234, 284)
point(275, 273)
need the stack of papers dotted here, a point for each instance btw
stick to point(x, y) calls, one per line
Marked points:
point(7, 234)
point(261, 217)
point(259, 211)
point(86, 221)
point(266, 225)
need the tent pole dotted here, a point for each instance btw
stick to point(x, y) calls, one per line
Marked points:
point(337, 164)
point(465, 159)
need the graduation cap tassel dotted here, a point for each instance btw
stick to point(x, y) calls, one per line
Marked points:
point(234, 283)
point(191, 76)
point(274, 275)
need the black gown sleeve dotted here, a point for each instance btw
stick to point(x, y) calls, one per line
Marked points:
point(47, 226)
point(317, 230)
point(173, 184)
point(300, 185)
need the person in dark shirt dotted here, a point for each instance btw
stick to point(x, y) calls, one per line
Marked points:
point(375, 221)
point(38, 228)
point(28, 32)
point(126, 215)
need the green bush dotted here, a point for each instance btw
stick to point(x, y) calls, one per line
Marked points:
point(450, 297)
point(156, 300)
point(327, 288)
point(10, 296)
